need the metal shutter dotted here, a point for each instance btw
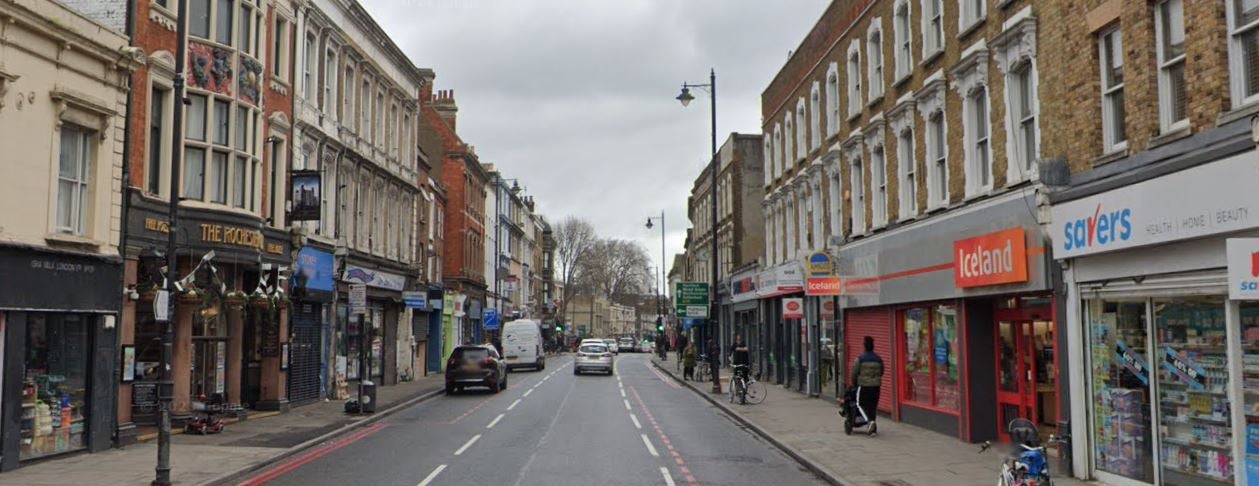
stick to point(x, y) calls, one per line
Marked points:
point(874, 322)
point(303, 372)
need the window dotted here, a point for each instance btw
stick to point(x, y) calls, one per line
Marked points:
point(73, 176)
point(1170, 34)
point(932, 28)
point(907, 166)
point(242, 127)
point(194, 173)
point(1243, 50)
point(930, 371)
point(979, 157)
point(348, 115)
point(972, 11)
point(365, 110)
point(308, 64)
point(832, 100)
point(874, 56)
point(903, 52)
point(778, 154)
point(195, 124)
point(240, 179)
point(815, 129)
point(1114, 135)
point(854, 80)
point(937, 155)
point(157, 136)
point(223, 21)
point(279, 54)
point(788, 151)
point(330, 82)
point(220, 166)
point(379, 131)
point(199, 18)
point(246, 29)
point(802, 144)
point(1022, 97)
point(858, 194)
point(878, 185)
point(222, 121)
point(218, 177)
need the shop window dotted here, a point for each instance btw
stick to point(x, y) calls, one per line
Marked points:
point(930, 367)
point(54, 385)
point(1120, 371)
point(209, 340)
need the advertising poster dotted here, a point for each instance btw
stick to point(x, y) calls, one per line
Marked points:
point(306, 195)
point(128, 364)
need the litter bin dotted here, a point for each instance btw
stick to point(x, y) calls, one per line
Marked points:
point(368, 400)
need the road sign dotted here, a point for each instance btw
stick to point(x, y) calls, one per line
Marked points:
point(358, 299)
point(692, 299)
point(490, 319)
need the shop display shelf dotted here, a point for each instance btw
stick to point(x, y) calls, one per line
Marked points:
point(1195, 444)
point(1190, 472)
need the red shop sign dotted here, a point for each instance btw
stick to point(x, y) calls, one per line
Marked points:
point(991, 259)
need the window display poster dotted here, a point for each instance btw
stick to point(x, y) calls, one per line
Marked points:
point(1132, 361)
point(128, 364)
point(1252, 454)
point(1184, 369)
point(220, 366)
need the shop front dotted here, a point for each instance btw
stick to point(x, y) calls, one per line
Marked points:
point(777, 289)
point(745, 313)
point(230, 321)
point(368, 343)
point(58, 320)
point(961, 309)
point(437, 305)
point(1170, 360)
point(314, 289)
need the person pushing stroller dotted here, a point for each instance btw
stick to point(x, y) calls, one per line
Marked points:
point(861, 401)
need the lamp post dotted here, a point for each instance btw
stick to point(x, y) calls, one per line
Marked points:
point(685, 98)
point(661, 277)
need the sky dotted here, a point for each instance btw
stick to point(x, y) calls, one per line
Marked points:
point(575, 98)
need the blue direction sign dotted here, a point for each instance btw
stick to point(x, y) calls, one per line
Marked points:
point(490, 319)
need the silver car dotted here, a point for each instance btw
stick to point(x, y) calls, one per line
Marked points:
point(593, 356)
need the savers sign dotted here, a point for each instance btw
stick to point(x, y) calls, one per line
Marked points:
point(991, 259)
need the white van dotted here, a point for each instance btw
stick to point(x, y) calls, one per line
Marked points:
point(522, 344)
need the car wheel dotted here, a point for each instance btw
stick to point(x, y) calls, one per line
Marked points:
point(504, 385)
point(450, 389)
point(575, 371)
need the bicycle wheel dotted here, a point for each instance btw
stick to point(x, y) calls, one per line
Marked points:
point(755, 392)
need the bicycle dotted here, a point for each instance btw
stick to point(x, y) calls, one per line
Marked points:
point(746, 387)
point(703, 371)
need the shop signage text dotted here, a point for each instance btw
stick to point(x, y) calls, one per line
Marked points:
point(783, 279)
point(1243, 268)
point(415, 300)
point(1184, 369)
point(793, 308)
point(231, 235)
point(374, 278)
point(820, 265)
point(823, 286)
point(991, 259)
point(358, 299)
point(1212, 198)
point(1132, 361)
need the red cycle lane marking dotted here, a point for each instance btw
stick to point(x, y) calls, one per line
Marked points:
point(312, 455)
point(686, 472)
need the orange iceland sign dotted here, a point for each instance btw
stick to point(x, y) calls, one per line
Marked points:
point(991, 259)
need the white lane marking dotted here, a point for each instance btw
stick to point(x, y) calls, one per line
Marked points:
point(622, 393)
point(627, 407)
point(495, 421)
point(476, 438)
point(432, 475)
point(650, 448)
point(526, 395)
point(668, 480)
point(513, 404)
point(636, 424)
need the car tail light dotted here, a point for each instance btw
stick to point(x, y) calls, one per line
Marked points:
point(487, 362)
point(450, 363)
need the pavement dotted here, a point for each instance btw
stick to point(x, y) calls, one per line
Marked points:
point(241, 448)
point(811, 430)
point(551, 427)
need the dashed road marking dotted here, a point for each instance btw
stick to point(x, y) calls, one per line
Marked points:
point(495, 421)
point(668, 480)
point(650, 448)
point(636, 424)
point(627, 406)
point(622, 393)
point(433, 475)
point(473, 441)
point(513, 404)
point(526, 395)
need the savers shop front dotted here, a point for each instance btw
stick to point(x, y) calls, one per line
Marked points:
point(1171, 364)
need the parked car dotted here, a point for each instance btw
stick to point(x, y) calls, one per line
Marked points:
point(612, 346)
point(475, 365)
point(627, 345)
point(593, 355)
point(522, 345)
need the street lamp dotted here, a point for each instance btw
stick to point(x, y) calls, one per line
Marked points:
point(661, 277)
point(685, 98)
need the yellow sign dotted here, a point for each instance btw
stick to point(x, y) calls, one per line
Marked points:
point(154, 224)
point(275, 248)
point(231, 235)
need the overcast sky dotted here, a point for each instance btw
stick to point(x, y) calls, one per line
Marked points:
point(576, 97)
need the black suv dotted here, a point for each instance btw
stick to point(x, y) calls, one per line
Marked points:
point(475, 365)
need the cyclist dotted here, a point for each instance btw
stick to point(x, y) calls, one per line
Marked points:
point(739, 358)
point(867, 376)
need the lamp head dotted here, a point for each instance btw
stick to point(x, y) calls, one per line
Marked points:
point(685, 97)
point(649, 225)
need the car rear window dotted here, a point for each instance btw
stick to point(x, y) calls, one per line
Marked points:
point(594, 348)
point(471, 354)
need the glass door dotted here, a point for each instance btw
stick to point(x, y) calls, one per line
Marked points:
point(1119, 374)
point(1015, 374)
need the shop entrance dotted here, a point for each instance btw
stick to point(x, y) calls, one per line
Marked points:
point(1026, 370)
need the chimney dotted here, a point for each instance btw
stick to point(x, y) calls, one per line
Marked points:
point(444, 103)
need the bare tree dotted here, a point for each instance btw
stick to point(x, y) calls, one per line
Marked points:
point(616, 269)
point(574, 237)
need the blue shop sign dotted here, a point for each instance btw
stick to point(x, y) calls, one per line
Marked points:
point(316, 267)
point(490, 319)
point(415, 300)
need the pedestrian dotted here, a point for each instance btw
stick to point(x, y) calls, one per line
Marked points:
point(714, 360)
point(867, 376)
point(688, 362)
point(682, 344)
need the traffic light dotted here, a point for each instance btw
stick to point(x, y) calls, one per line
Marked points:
point(559, 328)
point(659, 324)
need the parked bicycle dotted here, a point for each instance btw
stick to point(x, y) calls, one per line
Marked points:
point(1027, 464)
point(745, 387)
point(703, 371)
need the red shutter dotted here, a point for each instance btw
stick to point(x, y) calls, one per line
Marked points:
point(876, 323)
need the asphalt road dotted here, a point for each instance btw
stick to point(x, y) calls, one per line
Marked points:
point(552, 428)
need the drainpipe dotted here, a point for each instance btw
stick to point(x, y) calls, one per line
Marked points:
point(126, 206)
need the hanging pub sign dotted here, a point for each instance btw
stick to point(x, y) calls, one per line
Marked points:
point(306, 192)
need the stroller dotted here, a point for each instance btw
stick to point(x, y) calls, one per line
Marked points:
point(849, 409)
